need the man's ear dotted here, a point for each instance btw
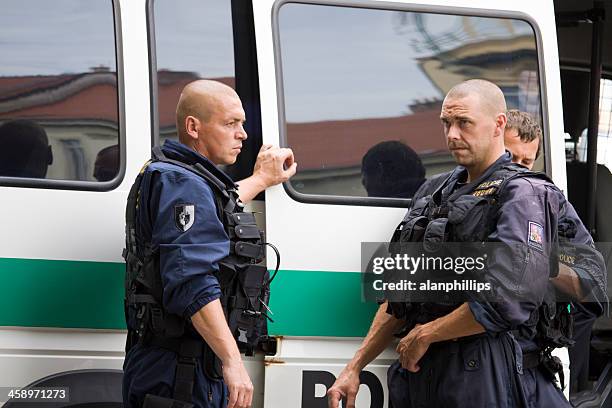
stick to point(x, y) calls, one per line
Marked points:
point(500, 124)
point(192, 125)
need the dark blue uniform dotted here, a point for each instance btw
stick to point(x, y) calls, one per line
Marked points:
point(487, 370)
point(579, 253)
point(190, 250)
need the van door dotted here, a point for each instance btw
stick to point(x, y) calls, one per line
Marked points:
point(355, 89)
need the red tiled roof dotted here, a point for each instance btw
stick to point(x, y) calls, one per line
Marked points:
point(94, 96)
point(342, 143)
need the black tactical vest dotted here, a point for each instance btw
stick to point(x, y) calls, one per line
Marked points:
point(437, 216)
point(243, 278)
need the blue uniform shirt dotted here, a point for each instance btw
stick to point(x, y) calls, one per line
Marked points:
point(190, 247)
point(187, 258)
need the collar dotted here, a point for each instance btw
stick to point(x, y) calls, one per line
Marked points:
point(178, 151)
point(461, 173)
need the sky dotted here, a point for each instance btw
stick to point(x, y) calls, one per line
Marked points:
point(338, 62)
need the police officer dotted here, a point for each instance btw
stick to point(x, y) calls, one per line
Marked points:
point(178, 218)
point(475, 354)
point(582, 272)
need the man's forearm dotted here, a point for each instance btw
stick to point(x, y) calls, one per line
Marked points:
point(568, 282)
point(250, 187)
point(458, 323)
point(378, 338)
point(210, 322)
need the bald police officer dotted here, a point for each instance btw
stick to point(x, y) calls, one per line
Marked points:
point(179, 230)
point(473, 355)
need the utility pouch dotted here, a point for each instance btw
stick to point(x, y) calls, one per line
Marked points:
point(245, 298)
point(154, 401)
point(436, 233)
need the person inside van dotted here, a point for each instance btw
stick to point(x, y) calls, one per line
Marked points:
point(107, 163)
point(391, 169)
point(24, 149)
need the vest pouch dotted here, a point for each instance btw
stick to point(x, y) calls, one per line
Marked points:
point(242, 218)
point(226, 275)
point(413, 229)
point(248, 250)
point(436, 233)
point(468, 217)
point(247, 306)
point(247, 232)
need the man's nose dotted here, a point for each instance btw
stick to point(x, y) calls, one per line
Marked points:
point(453, 133)
point(242, 134)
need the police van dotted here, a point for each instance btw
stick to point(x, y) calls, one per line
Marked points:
point(91, 86)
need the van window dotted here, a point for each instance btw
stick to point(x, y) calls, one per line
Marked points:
point(604, 133)
point(193, 40)
point(363, 88)
point(59, 117)
point(211, 39)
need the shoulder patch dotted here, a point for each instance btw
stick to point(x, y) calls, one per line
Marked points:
point(487, 188)
point(536, 235)
point(184, 216)
point(488, 184)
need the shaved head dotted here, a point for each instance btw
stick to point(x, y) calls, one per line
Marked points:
point(490, 97)
point(474, 117)
point(200, 99)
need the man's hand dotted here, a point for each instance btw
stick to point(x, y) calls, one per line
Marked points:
point(239, 384)
point(346, 386)
point(210, 322)
point(413, 347)
point(274, 165)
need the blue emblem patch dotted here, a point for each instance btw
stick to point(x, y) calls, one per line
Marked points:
point(536, 235)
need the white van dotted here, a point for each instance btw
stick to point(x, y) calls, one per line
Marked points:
point(96, 83)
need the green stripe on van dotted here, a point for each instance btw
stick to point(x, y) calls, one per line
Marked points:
point(80, 294)
point(73, 294)
point(308, 303)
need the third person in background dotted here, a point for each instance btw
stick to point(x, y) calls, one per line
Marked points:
point(582, 272)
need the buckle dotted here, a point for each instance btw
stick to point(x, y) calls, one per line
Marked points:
point(156, 318)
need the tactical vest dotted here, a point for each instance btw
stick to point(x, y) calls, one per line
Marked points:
point(471, 217)
point(243, 279)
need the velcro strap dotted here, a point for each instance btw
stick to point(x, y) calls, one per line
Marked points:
point(142, 298)
point(184, 379)
point(248, 250)
point(247, 231)
point(441, 211)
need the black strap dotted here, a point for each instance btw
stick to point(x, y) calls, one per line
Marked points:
point(188, 351)
point(198, 169)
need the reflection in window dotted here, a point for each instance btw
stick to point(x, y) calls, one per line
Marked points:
point(604, 133)
point(356, 77)
point(58, 85)
point(194, 40)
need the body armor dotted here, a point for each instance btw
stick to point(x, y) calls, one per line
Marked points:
point(243, 278)
point(440, 216)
